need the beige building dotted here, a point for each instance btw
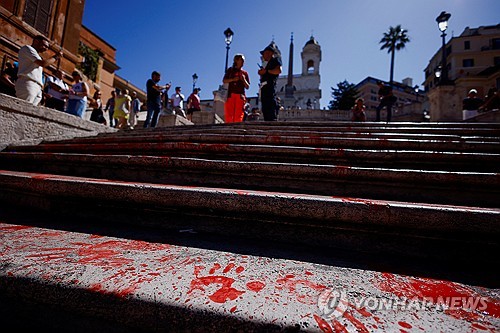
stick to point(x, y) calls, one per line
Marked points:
point(473, 61)
point(410, 105)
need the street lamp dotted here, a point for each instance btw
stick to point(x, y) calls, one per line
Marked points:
point(442, 21)
point(229, 38)
point(417, 90)
point(195, 79)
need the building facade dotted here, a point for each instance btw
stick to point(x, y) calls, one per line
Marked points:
point(61, 22)
point(301, 91)
point(411, 104)
point(472, 61)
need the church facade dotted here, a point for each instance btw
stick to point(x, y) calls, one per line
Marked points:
point(301, 91)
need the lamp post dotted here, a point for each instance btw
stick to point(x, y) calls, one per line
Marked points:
point(228, 33)
point(416, 88)
point(442, 21)
point(195, 79)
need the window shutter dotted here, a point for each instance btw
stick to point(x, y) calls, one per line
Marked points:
point(30, 12)
point(37, 14)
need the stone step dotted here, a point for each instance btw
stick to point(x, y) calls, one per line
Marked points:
point(88, 280)
point(488, 130)
point(376, 226)
point(146, 136)
point(458, 188)
point(307, 141)
point(380, 158)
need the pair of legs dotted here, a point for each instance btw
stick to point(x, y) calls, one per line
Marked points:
point(179, 111)
point(28, 90)
point(234, 108)
point(132, 120)
point(388, 106)
point(153, 114)
point(269, 105)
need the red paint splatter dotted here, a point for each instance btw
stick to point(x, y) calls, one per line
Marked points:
point(14, 227)
point(215, 267)
point(339, 328)
point(308, 297)
point(198, 269)
point(255, 286)
point(221, 295)
point(358, 324)
point(437, 291)
point(404, 324)
point(364, 313)
point(228, 268)
point(233, 309)
point(322, 324)
point(479, 327)
point(239, 269)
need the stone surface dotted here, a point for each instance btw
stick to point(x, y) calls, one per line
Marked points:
point(23, 123)
point(255, 227)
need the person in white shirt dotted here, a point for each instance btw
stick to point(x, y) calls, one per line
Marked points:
point(29, 84)
point(177, 100)
point(56, 91)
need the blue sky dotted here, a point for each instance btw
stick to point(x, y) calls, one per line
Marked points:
point(179, 38)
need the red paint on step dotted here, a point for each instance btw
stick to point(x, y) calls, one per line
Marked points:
point(256, 286)
point(225, 293)
point(323, 324)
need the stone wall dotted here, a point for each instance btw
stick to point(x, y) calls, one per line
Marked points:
point(25, 124)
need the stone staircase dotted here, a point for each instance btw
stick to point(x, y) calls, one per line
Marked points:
point(425, 193)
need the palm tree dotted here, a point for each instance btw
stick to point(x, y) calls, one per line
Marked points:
point(393, 41)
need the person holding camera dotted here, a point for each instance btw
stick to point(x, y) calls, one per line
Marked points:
point(153, 93)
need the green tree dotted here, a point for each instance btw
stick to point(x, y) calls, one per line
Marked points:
point(91, 61)
point(393, 41)
point(343, 96)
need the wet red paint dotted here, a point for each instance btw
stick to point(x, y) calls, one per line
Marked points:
point(479, 327)
point(404, 324)
point(339, 328)
point(225, 293)
point(228, 268)
point(7, 227)
point(323, 324)
point(306, 297)
point(213, 269)
point(255, 286)
point(364, 313)
point(436, 291)
point(360, 327)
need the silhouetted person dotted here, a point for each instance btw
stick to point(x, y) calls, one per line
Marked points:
point(268, 77)
point(387, 99)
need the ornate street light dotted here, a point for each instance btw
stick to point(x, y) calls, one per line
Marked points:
point(442, 21)
point(228, 33)
point(195, 79)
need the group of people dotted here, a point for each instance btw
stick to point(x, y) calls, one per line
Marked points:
point(28, 82)
point(238, 81)
point(25, 79)
point(158, 98)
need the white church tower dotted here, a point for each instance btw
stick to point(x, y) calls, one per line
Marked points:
point(302, 91)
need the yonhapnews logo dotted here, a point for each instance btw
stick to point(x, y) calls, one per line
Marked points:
point(332, 303)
